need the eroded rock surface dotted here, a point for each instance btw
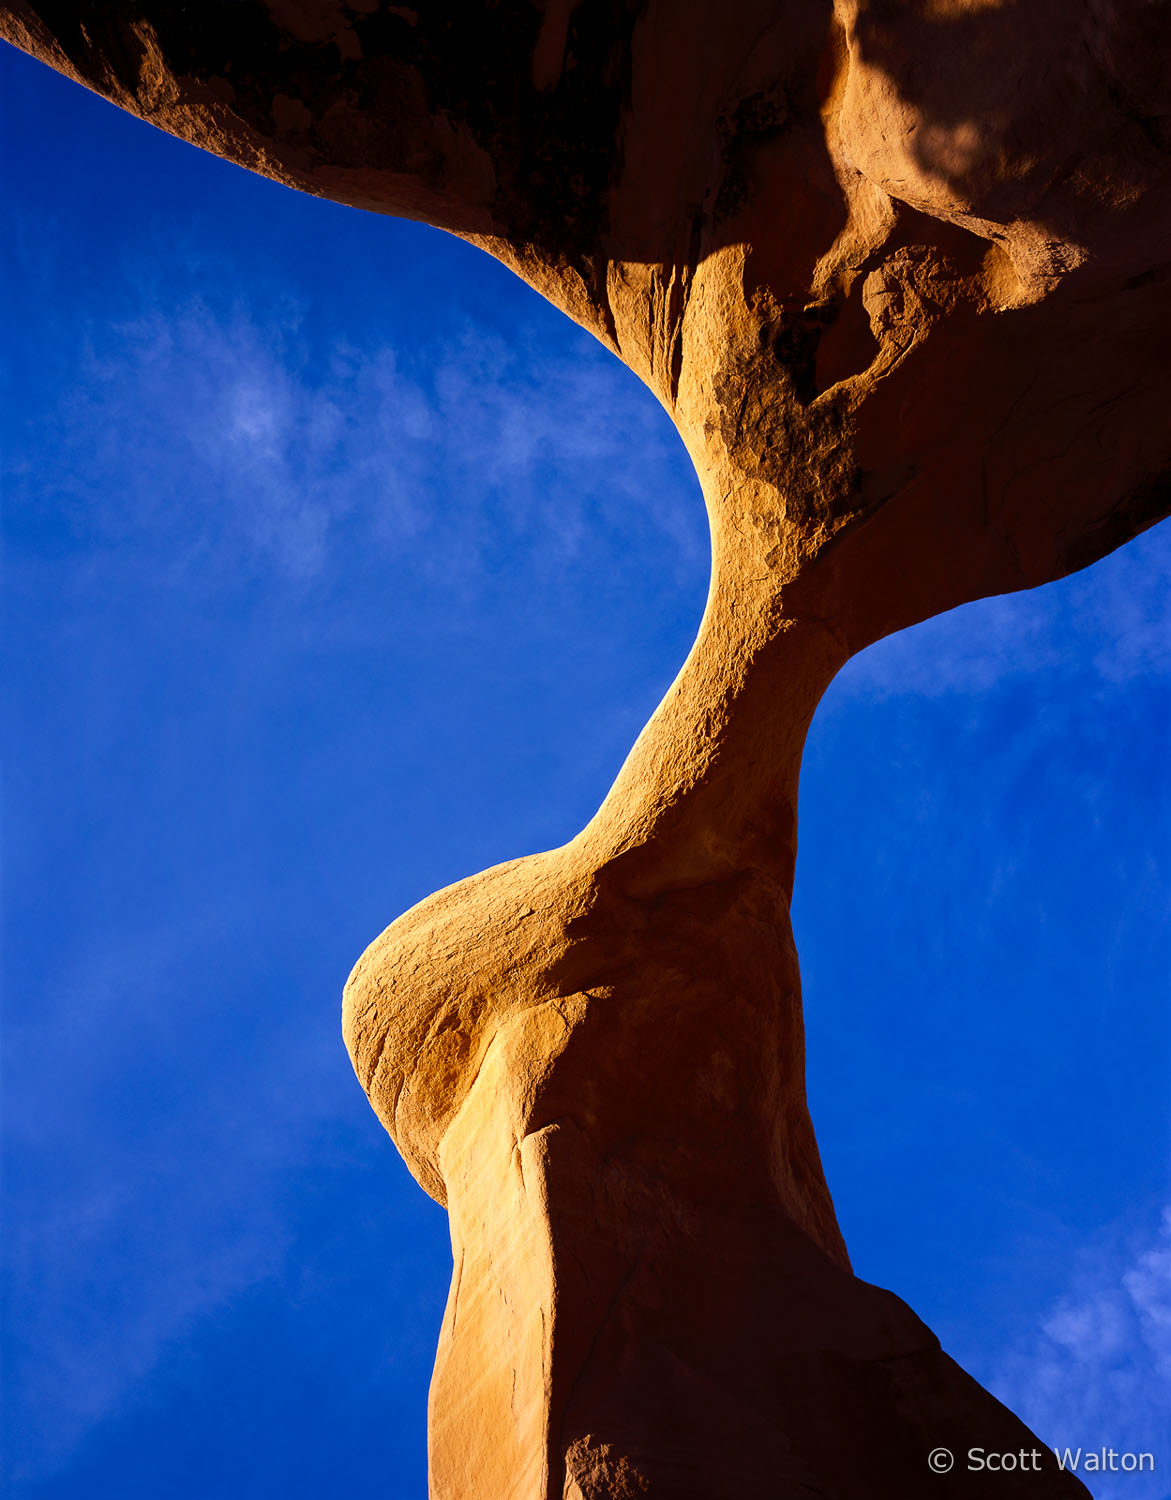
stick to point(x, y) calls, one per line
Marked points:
point(899, 271)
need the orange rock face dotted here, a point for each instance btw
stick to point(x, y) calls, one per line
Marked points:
point(899, 271)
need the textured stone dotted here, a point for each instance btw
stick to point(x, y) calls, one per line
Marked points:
point(898, 270)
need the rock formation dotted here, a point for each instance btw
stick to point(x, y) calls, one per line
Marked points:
point(899, 272)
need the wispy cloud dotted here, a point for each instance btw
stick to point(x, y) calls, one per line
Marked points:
point(1116, 616)
point(1097, 1371)
point(199, 429)
point(146, 1200)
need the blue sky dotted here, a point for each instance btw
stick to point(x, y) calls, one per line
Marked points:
point(337, 567)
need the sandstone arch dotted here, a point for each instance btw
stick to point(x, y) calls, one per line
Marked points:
point(898, 270)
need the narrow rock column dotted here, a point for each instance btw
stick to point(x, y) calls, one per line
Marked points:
point(595, 1057)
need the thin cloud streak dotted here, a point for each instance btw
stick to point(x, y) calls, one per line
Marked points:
point(172, 1210)
point(225, 437)
point(1097, 1372)
point(1115, 616)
